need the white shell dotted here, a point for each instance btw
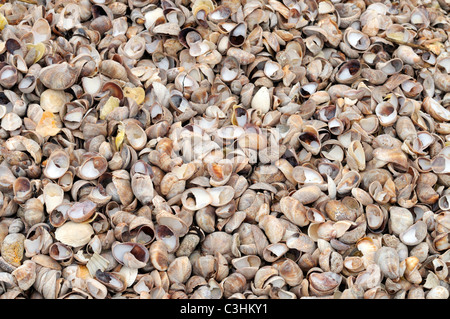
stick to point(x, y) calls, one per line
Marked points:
point(74, 234)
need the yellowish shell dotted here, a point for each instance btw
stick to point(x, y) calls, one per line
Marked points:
point(137, 94)
point(83, 272)
point(3, 22)
point(13, 248)
point(40, 50)
point(109, 106)
point(395, 36)
point(205, 5)
point(47, 125)
point(120, 136)
point(435, 47)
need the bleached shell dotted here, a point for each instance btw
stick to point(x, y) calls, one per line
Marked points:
point(221, 195)
point(57, 165)
point(135, 136)
point(132, 255)
point(74, 234)
point(92, 167)
point(54, 100)
point(97, 262)
point(294, 211)
point(96, 288)
point(129, 275)
point(306, 175)
point(196, 198)
point(53, 196)
point(25, 274)
point(414, 234)
point(173, 222)
point(261, 100)
point(11, 122)
point(400, 219)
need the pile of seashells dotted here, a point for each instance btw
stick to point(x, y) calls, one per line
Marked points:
point(225, 149)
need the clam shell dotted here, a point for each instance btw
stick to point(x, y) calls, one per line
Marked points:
point(74, 234)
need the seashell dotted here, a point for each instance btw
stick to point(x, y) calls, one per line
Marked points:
point(406, 54)
point(196, 198)
point(174, 223)
point(324, 283)
point(60, 252)
point(166, 235)
point(8, 76)
point(92, 167)
point(294, 211)
point(202, 9)
point(310, 140)
point(159, 255)
point(274, 252)
point(386, 113)
point(337, 211)
point(57, 165)
point(96, 289)
point(11, 122)
point(391, 155)
point(59, 76)
point(204, 266)
point(438, 292)
point(132, 255)
point(414, 235)
point(205, 219)
point(306, 175)
point(238, 34)
point(272, 227)
point(349, 181)
point(261, 100)
point(400, 219)
point(135, 135)
point(25, 274)
point(45, 282)
point(12, 249)
point(436, 110)
point(348, 72)
point(388, 261)
point(112, 281)
point(356, 39)
point(74, 234)
point(220, 172)
point(217, 242)
point(53, 196)
point(247, 265)
point(179, 270)
point(81, 211)
point(220, 195)
point(235, 283)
